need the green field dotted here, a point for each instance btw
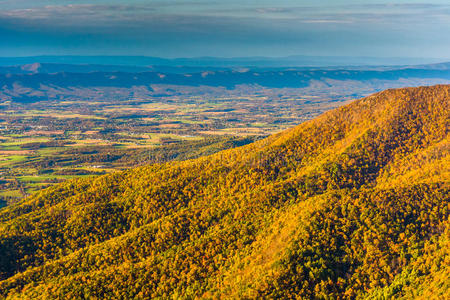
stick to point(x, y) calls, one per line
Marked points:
point(29, 163)
point(45, 142)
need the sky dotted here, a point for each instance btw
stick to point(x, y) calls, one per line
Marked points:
point(227, 28)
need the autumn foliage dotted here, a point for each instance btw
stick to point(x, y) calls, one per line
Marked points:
point(353, 204)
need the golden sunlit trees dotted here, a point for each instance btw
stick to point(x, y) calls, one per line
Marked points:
point(353, 204)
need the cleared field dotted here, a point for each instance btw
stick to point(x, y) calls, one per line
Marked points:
point(45, 142)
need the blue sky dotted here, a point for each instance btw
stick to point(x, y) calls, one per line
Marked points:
point(176, 28)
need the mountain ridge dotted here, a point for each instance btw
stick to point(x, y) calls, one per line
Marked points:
point(289, 61)
point(334, 207)
point(36, 87)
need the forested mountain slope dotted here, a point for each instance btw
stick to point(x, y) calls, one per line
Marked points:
point(353, 204)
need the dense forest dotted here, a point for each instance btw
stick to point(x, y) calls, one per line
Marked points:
point(353, 204)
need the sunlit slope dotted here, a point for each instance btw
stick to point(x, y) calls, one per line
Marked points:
point(342, 206)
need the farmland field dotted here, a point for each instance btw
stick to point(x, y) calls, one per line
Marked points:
point(46, 142)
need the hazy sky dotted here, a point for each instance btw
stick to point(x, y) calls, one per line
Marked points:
point(176, 28)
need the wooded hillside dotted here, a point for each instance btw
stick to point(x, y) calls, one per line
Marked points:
point(353, 204)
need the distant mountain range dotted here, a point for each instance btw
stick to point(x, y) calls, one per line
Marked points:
point(42, 81)
point(67, 75)
point(291, 61)
point(49, 68)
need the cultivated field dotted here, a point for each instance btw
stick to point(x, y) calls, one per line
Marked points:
point(45, 142)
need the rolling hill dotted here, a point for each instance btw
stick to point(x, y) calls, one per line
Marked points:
point(67, 76)
point(352, 204)
point(40, 82)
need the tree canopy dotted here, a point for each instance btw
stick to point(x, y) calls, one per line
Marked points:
point(353, 204)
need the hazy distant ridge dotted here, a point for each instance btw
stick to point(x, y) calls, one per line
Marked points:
point(290, 61)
